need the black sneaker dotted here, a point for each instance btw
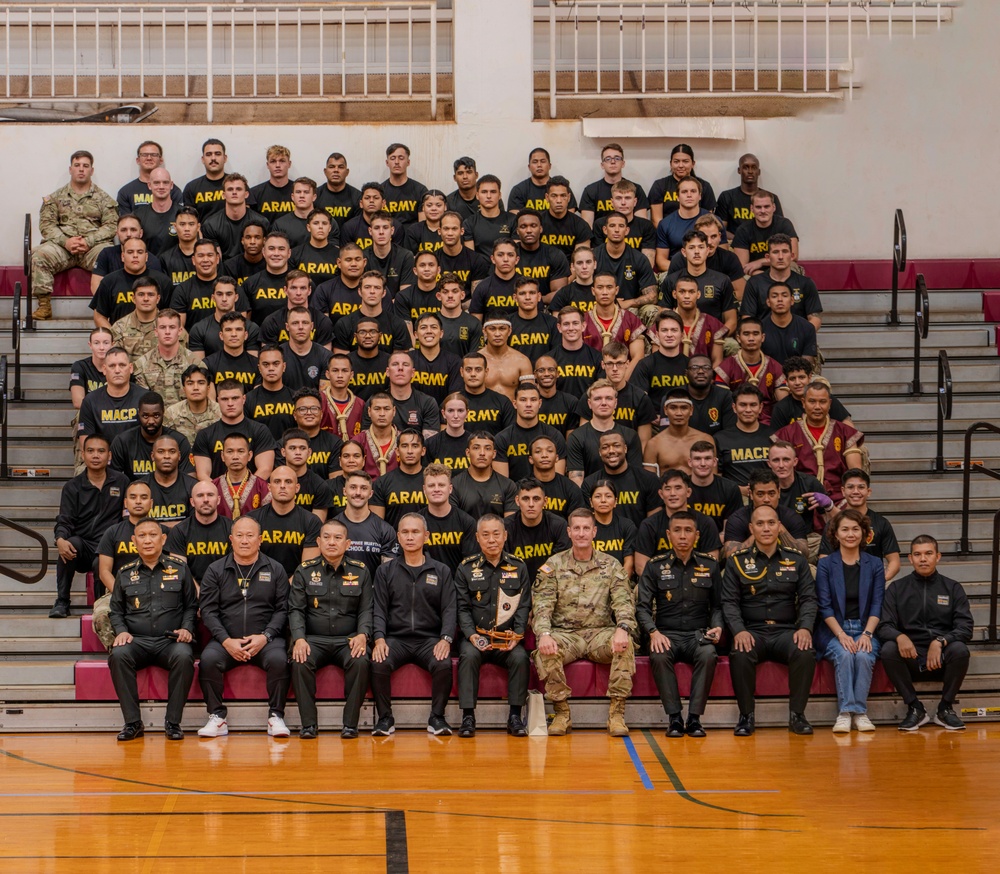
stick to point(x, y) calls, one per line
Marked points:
point(915, 717)
point(468, 728)
point(131, 731)
point(676, 727)
point(798, 724)
point(308, 732)
point(437, 726)
point(385, 726)
point(172, 731)
point(59, 611)
point(745, 725)
point(348, 732)
point(515, 726)
point(948, 718)
point(693, 727)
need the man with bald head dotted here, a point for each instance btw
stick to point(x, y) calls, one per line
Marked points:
point(170, 489)
point(244, 605)
point(203, 537)
point(157, 216)
point(289, 532)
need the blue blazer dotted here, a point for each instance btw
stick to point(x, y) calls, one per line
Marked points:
point(832, 597)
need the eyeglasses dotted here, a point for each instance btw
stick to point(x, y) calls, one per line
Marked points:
point(150, 155)
point(699, 367)
point(308, 409)
point(364, 331)
point(612, 159)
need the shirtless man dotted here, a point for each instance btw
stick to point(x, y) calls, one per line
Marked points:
point(671, 448)
point(505, 366)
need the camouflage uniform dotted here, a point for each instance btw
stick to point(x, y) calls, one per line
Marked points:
point(179, 417)
point(65, 213)
point(137, 338)
point(158, 375)
point(580, 604)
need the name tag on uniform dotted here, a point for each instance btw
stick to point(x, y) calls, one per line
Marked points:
point(114, 492)
point(943, 600)
point(431, 580)
point(167, 578)
point(264, 576)
point(506, 576)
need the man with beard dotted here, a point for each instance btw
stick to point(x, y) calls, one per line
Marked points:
point(132, 450)
point(635, 487)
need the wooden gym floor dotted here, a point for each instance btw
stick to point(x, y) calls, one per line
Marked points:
point(586, 802)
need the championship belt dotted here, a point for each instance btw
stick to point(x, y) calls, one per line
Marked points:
point(493, 639)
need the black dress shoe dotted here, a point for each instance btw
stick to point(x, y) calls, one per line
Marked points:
point(798, 724)
point(693, 727)
point(676, 727)
point(745, 726)
point(348, 732)
point(131, 731)
point(515, 726)
point(468, 728)
point(172, 731)
point(59, 611)
point(308, 732)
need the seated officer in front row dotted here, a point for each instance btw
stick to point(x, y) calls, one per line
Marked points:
point(153, 607)
point(769, 602)
point(330, 616)
point(686, 589)
point(494, 599)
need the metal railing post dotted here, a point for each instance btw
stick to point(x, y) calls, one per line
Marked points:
point(991, 629)
point(898, 263)
point(4, 467)
point(209, 70)
point(921, 325)
point(15, 340)
point(29, 322)
point(964, 544)
point(944, 404)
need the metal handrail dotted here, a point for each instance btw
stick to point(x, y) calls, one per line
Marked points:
point(898, 262)
point(15, 339)
point(4, 466)
point(944, 396)
point(991, 629)
point(29, 320)
point(921, 325)
point(27, 579)
point(964, 545)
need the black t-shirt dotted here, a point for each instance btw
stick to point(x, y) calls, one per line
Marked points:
point(420, 238)
point(617, 538)
point(116, 544)
point(338, 500)
point(273, 330)
point(314, 492)
point(336, 299)
point(403, 201)
point(792, 498)
point(200, 544)
point(632, 271)
point(741, 452)
point(880, 543)
point(228, 232)
point(805, 296)
point(494, 297)
point(305, 371)
point(393, 333)
point(85, 374)
point(565, 233)
point(372, 541)
point(652, 537)
point(133, 193)
point(398, 493)
point(536, 544)
point(583, 445)
point(324, 454)
point(513, 443)
point(559, 411)
point(294, 228)
point(488, 411)
point(717, 293)
point(171, 503)
point(574, 295)
point(444, 449)
point(465, 208)
point(462, 335)
point(544, 264)
point(562, 496)
point(240, 269)
point(339, 205)
point(132, 454)
point(272, 409)
point(205, 195)
point(636, 491)
point(369, 374)
point(113, 298)
point(496, 495)
point(484, 231)
point(718, 500)
point(754, 239)
point(396, 267)
point(734, 209)
point(738, 524)
point(417, 411)
point(157, 227)
point(713, 412)
point(356, 230)
point(657, 374)
point(284, 537)
point(796, 338)
point(634, 408)
point(243, 367)
point(411, 303)
point(110, 260)
point(438, 378)
point(206, 336)
point(789, 409)
point(102, 414)
point(318, 264)
point(722, 261)
point(533, 337)
point(641, 233)
point(271, 201)
point(527, 195)
point(208, 442)
point(467, 265)
point(596, 198)
point(450, 538)
point(577, 368)
point(266, 292)
point(664, 191)
point(193, 298)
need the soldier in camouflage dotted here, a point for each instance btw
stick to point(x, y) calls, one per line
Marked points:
point(77, 221)
point(161, 369)
point(196, 410)
point(136, 332)
point(583, 609)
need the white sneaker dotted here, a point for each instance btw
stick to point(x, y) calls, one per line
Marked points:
point(276, 727)
point(215, 727)
point(843, 723)
point(863, 723)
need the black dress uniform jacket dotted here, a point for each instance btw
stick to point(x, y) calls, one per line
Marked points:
point(777, 592)
point(230, 610)
point(330, 602)
point(148, 602)
point(493, 597)
point(688, 596)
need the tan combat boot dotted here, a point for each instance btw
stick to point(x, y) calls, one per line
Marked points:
point(44, 311)
point(616, 718)
point(561, 723)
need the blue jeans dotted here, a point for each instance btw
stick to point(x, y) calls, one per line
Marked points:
point(853, 671)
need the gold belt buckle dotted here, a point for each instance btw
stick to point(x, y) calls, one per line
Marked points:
point(770, 622)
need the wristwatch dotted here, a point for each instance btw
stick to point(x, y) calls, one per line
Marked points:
point(269, 636)
point(623, 626)
point(447, 638)
point(867, 634)
point(942, 640)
